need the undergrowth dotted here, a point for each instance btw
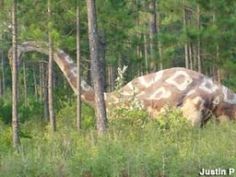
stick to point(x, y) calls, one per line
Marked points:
point(150, 148)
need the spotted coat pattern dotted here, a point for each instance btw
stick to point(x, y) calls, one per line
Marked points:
point(197, 95)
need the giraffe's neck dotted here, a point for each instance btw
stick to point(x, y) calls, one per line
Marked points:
point(65, 63)
point(175, 86)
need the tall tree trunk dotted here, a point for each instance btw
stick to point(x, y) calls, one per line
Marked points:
point(96, 73)
point(186, 43)
point(50, 73)
point(146, 53)
point(1, 80)
point(78, 69)
point(111, 78)
point(194, 50)
point(3, 73)
point(199, 62)
point(218, 72)
point(35, 84)
point(159, 41)
point(41, 81)
point(45, 92)
point(1, 92)
point(153, 32)
point(101, 55)
point(15, 121)
point(190, 56)
point(25, 84)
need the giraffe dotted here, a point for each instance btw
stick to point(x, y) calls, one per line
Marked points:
point(198, 96)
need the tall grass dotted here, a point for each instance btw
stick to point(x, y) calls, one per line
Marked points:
point(169, 147)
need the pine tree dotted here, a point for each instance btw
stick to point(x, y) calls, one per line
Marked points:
point(78, 68)
point(50, 72)
point(96, 68)
point(15, 121)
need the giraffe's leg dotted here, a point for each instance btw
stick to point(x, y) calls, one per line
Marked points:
point(193, 110)
point(223, 119)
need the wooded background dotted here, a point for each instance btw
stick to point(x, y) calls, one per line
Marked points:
point(146, 36)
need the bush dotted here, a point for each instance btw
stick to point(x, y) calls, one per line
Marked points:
point(33, 110)
point(5, 109)
point(66, 117)
point(167, 146)
point(172, 119)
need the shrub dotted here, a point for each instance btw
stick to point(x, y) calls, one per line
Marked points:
point(66, 117)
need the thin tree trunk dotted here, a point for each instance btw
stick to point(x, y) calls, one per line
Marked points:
point(186, 43)
point(1, 89)
point(190, 55)
point(102, 54)
point(78, 70)
point(35, 84)
point(25, 84)
point(159, 41)
point(45, 92)
point(217, 68)
point(146, 53)
point(40, 81)
point(96, 73)
point(1, 92)
point(112, 77)
point(109, 76)
point(194, 49)
point(153, 32)
point(199, 63)
point(15, 120)
point(217, 74)
point(50, 73)
point(1, 76)
point(3, 73)
point(108, 81)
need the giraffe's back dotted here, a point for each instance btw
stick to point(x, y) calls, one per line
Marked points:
point(195, 93)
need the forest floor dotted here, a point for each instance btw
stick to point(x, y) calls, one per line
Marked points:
point(148, 149)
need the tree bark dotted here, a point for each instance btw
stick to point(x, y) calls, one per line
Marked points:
point(25, 84)
point(194, 50)
point(146, 53)
point(111, 78)
point(78, 122)
point(3, 74)
point(35, 84)
point(41, 81)
point(50, 73)
point(96, 72)
point(161, 67)
point(102, 54)
point(15, 120)
point(153, 32)
point(1, 92)
point(45, 92)
point(199, 62)
point(108, 80)
point(1, 79)
point(190, 56)
point(186, 42)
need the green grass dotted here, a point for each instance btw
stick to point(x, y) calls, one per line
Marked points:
point(156, 148)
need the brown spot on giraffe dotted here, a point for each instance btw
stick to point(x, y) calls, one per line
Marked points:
point(197, 95)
